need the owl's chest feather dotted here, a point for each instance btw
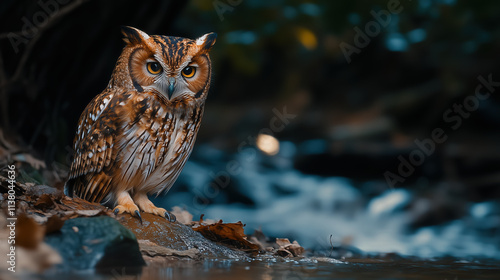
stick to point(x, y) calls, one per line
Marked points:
point(156, 144)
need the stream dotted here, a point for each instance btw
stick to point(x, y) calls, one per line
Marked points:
point(382, 267)
point(366, 268)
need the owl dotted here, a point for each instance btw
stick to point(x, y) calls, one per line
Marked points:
point(135, 137)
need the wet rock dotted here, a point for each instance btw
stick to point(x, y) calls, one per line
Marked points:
point(176, 236)
point(96, 242)
point(152, 249)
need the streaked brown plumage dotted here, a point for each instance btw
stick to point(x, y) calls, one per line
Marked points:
point(134, 138)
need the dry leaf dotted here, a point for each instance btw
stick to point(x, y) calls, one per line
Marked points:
point(44, 202)
point(282, 241)
point(227, 233)
point(284, 253)
point(28, 232)
point(295, 249)
point(182, 215)
point(54, 223)
point(287, 249)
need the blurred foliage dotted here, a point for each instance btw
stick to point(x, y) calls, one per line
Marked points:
point(269, 54)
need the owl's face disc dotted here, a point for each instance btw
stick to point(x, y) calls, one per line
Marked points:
point(176, 68)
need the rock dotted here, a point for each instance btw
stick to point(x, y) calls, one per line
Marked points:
point(99, 243)
point(152, 249)
point(176, 236)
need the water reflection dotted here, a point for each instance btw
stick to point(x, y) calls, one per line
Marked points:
point(382, 267)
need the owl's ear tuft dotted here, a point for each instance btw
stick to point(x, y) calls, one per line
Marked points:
point(206, 41)
point(133, 35)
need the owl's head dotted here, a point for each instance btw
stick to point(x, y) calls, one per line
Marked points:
point(177, 68)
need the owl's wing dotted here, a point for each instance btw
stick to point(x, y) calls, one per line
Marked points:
point(94, 150)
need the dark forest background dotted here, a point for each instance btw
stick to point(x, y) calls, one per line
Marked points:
point(363, 110)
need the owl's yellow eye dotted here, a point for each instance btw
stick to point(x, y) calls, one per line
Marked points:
point(154, 68)
point(189, 71)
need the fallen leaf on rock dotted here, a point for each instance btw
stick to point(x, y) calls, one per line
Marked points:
point(175, 236)
point(227, 233)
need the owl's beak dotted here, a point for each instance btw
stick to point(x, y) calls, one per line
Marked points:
point(171, 87)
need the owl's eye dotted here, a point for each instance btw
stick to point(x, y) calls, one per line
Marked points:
point(188, 71)
point(154, 68)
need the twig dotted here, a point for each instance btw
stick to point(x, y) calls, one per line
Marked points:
point(332, 247)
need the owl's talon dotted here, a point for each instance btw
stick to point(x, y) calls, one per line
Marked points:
point(126, 205)
point(138, 215)
point(170, 217)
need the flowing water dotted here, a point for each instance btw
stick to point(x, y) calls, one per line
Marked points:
point(318, 212)
point(389, 267)
point(325, 269)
